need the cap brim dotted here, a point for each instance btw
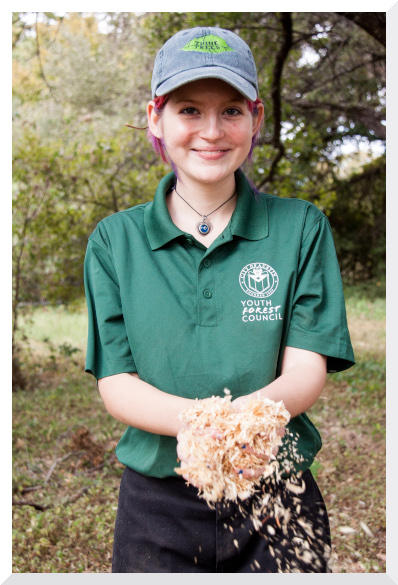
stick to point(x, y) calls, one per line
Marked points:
point(238, 82)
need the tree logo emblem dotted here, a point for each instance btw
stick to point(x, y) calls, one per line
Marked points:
point(207, 44)
point(258, 280)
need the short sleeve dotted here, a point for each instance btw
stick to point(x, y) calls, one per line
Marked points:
point(108, 348)
point(318, 320)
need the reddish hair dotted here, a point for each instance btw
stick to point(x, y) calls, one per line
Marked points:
point(253, 107)
point(158, 144)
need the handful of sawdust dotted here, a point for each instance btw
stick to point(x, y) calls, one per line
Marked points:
point(213, 461)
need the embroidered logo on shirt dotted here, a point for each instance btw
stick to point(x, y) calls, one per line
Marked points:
point(258, 280)
point(207, 44)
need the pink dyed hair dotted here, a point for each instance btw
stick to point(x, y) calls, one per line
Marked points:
point(157, 143)
point(159, 146)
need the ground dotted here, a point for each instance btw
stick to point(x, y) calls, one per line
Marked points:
point(66, 476)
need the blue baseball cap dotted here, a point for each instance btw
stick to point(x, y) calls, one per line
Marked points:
point(201, 53)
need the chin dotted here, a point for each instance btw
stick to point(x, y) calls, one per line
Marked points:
point(211, 175)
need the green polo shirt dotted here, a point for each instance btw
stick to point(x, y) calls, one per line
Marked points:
point(193, 320)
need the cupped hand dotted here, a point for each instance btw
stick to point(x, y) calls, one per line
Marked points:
point(247, 472)
point(255, 473)
point(187, 460)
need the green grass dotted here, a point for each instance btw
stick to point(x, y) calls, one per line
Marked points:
point(367, 299)
point(57, 325)
point(75, 531)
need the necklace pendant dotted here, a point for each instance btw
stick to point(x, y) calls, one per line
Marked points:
point(204, 227)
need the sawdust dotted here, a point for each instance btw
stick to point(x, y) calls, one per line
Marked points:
point(218, 441)
point(248, 436)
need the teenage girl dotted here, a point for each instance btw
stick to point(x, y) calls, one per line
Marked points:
point(211, 286)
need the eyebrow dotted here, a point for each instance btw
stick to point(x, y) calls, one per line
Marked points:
point(195, 101)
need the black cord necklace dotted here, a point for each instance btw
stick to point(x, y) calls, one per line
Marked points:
point(203, 226)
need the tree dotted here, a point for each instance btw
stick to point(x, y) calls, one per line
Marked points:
point(322, 77)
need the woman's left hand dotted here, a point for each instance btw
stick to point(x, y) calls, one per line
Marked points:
point(247, 472)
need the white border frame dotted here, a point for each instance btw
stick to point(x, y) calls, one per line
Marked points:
point(391, 576)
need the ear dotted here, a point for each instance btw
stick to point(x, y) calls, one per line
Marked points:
point(154, 122)
point(258, 118)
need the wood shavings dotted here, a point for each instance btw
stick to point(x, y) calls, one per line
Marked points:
point(211, 442)
point(366, 529)
point(213, 462)
point(295, 488)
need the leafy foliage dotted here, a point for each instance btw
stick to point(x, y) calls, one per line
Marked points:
point(75, 87)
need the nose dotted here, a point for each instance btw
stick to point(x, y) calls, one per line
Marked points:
point(212, 128)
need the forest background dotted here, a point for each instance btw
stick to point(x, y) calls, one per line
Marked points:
point(78, 79)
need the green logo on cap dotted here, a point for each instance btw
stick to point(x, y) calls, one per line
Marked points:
point(207, 44)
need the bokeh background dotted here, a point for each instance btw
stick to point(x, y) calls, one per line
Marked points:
point(78, 79)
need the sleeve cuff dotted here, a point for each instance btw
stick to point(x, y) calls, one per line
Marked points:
point(339, 354)
point(111, 369)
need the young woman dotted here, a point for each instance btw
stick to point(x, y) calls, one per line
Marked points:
point(210, 286)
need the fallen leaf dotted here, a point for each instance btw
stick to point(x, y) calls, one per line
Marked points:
point(366, 529)
point(347, 530)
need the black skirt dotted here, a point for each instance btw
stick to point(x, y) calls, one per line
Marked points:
point(162, 526)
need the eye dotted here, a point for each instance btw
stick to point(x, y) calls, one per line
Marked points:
point(189, 111)
point(233, 112)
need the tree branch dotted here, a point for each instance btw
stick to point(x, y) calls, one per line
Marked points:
point(27, 503)
point(18, 36)
point(310, 86)
point(38, 53)
point(374, 23)
point(60, 460)
point(369, 118)
point(281, 57)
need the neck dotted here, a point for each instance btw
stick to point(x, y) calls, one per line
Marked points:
point(205, 197)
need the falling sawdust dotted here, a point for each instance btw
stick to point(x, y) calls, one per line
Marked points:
point(219, 440)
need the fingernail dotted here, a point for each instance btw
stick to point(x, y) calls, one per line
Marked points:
point(240, 471)
point(243, 446)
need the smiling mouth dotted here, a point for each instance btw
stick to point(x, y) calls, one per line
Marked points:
point(207, 151)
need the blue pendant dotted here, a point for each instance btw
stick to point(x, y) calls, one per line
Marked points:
point(204, 227)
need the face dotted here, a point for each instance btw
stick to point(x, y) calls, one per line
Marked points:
point(207, 128)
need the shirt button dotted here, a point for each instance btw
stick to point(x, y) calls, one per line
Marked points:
point(189, 241)
point(207, 294)
point(206, 262)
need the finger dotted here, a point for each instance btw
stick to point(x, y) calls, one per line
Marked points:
point(248, 473)
point(281, 431)
point(185, 466)
point(247, 448)
point(238, 403)
point(263, 456)
point(181, 453)
point(214, 433)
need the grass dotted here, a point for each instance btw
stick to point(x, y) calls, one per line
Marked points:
point(56, 326)
point(64, 441)
point(350, 415)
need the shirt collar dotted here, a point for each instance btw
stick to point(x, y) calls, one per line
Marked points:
point(249, 219)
